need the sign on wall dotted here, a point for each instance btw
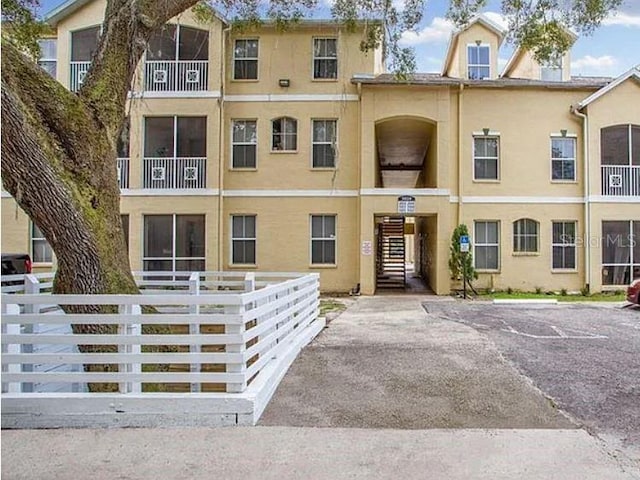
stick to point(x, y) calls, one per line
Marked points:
point(367, 248)
point(406, 204)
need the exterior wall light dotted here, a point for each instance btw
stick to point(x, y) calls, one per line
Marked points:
point(283, 82)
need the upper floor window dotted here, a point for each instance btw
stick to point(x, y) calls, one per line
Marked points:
point(478, 62)
point(525, 236)
point(244, 143)
point(551, 70)
point(245, 59)
point(176, 42)
point(284, 134)
point(48, 55)
point(563, 158)
point(620, 145)
point(325, 58)
point(41, 251)
point(485, 157)
point(324, 143)
point(84, 44)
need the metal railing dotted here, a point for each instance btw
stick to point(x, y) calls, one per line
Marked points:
point(620, 180)
point(123, 172)
point(174, 172)
point(78, 71)
point(176, 75)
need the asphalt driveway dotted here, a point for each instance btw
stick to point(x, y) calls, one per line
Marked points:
point(586, 357)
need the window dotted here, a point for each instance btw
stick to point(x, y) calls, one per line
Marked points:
point(324, 143)
point(485, 158)
point(551, 70)
point(486, 245)
point(244, 144)
point(525, 236)
point(48, 55)
point(285, 134)
point(176, 42)
point(243, 239)
point(245, 59)
point(478, 62)
point(620, 145)
point(323, 239)
point(325, 58)
point(174, 243)
point(563, 158)
point(84, 44)
point(40, 249)
point(564, 245)
point(620, 252)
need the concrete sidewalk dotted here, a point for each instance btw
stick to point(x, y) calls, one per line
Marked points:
point(306, 453)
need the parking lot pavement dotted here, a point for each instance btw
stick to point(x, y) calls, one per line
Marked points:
point(585, 357)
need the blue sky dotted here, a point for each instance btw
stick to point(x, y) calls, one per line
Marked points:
point(613, 49)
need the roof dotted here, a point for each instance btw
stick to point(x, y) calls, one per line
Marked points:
point(67, 8)
point(435, 79)
point(487, 22)
point(632, 73)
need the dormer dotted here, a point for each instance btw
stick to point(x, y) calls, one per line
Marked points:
point(522, 64)
point(473, 51)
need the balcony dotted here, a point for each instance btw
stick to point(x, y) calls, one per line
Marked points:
point(176, 75)
point(122, 165)
point(174, 173)
point(621, 180)
point(78, 71)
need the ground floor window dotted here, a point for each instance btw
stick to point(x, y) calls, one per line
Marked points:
point(564, 245)
point(525, 236)
point(620, 252)
point(174, 243)
point(323, 239)
point(486, 245)
point(243, 239)
point(40, 249)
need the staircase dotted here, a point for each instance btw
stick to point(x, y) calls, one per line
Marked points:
point(390, 255)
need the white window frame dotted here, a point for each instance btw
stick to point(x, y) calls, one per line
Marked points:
point(574, 138)
point(314, 58)
point(53, 60)
point(284, 135)
point(479, 65)
point(32, 240)
point(552, 65)
point(334, 239)
point(256, 59)
point(173, 257)
point(519, 237)
point(234, 143)
point(244, 239)
point(476, 244)
point(482, 135)
point(334, 143)
point(565, 245)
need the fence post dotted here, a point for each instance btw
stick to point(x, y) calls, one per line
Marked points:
point(194, 328)
point(31, 287)
point(239, 347)
point(12, 329)
point(135, 367)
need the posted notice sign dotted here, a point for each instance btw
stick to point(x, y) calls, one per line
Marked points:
point(406, 204)
point(464, 243)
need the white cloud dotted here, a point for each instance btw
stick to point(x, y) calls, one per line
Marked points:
point(439, 31)
point(590, 64)
point(498, 19)
point(622, 19)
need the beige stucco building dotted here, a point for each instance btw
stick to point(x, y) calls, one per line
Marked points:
point(295, 151)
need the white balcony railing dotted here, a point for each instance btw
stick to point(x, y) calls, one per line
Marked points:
point(78, 72)
point(123, 172)
point(621, 180)
point(176, 75)
point(174, 173)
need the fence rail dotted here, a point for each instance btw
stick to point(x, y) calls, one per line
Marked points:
point(176, 75)
point(182, 172)
point(78, 71)
point(122, 166)
point(623, 180)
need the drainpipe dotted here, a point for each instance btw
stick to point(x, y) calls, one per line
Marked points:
point(460, 154)
point(587, 203)
point(221, 144)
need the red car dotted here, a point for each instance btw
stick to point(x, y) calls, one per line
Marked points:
point(633, 292)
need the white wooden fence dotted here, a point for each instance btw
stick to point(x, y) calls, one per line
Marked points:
point(260, 326)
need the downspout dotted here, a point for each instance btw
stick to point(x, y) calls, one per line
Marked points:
point(587, 203)
point(356, 289)
point(221, 144)
point(460, 154)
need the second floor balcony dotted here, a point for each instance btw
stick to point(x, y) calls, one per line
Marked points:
point(621, 180)
point(176, 75)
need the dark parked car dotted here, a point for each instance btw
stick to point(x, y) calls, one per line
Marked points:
point(633, 292)
point(15, 263)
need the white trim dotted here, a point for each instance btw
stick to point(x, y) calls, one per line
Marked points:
point(334, 143)
point(256, 59)
point(614, 199)
point(478, 65)
point(293, 98)
point(169, 192)
point(522, 199)
point(312, 238)
point(634, 72)
point(313, 59)
point(289, 193)
point(481, 133)
point(196, 94)
point(254, 238)
point(415, 192)
point(233, 144)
